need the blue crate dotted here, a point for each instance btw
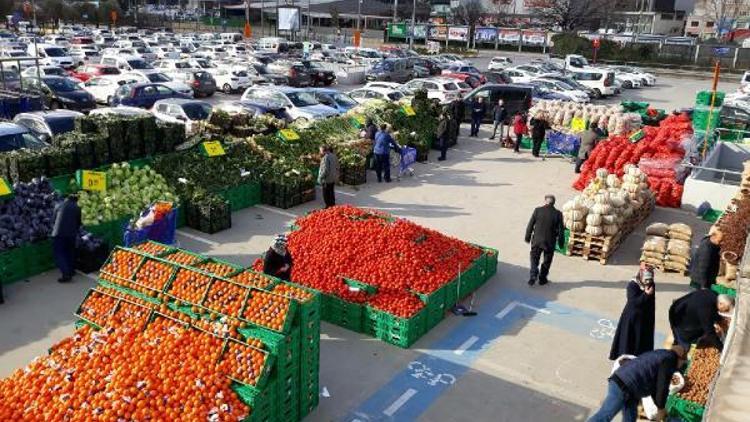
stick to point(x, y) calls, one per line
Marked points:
point(162, 231)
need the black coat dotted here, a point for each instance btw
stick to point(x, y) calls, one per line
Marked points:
point(478, 110)
point(371, 130)
point(443, 128)
point(692, 317)
point(67, 219)
point(538, 128)
point(272, 263)
point(635, 330)
point(705, 264)
point(545, 227)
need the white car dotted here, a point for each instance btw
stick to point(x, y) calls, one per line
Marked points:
point(229, 80)
point(212, 52)
point(518, 76)
point(182, 111)
point(103, 88)
point(647, 79)
point(120, 110)
point(33, 72)
point(166, 52)
point(628, 80)
point(83, 54)
point(363, 95)
point(156, 76)
point(562, 88)
point(499, 63)
point(300, 105)
point(444, 90)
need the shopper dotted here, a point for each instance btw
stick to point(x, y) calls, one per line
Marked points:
point(693, 317)
point(648, 375)
point(705, 265)
point(67, 222)
point(443, 133)
point(519, 129)
point(539, 127)
point(478, 109)
point(277, 261)
point(635, 330)
point(370, 129)
point(382, 150)
point(457, 114)
point(588, 142)
point(499, 114)
point(544, 228)
point(328, 174)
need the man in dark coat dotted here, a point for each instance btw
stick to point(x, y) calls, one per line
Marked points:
point(635, 329)
point(648, 375)
point(443, 133)
point(544, 228)
point(277, 261)
point(478, 109)
point(499, 115)
point(370, 129)
point(705, 263)
point(539, 128)
point(588, 142)
point(64, 232)
point(457, 113)
point(694, 316)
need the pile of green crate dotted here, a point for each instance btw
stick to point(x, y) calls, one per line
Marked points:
point(25, 261)
point(404, 332)
point(706, 116)
point(290, 391)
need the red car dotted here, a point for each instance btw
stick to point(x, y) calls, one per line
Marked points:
point(467, 78)
point(86, 72)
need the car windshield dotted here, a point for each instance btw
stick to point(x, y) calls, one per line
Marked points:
point(395, 96)
point(139, 64)
point(197, 111)
point(158, 77)
point(57, 71)
point(61, 84)
point(463, 85)
point(344, 100)
point(564, 85)
point(24, 140)
point(109, 71)
point(302, 99)
point(16, 54)
point(55, 52)
point(450, 86)
point(61, 124)
point(383, 66)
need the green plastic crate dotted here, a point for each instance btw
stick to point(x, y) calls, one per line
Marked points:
point(685, 410)
point(401, 332)
point(712, 215)
point(254, 193)
point(491, 261)
point(703, 98)
point(62, 184)
point(435, 305)
point(39, 257)
point(12, 265)
point(342, 313)
point(724, 290)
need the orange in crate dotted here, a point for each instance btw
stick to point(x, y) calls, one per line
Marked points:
point(151, 248)
point(182, 258)
point(97, 307)
point(292, 291)
point(243, 363)
point(123, 264)
point(252, 279)
point(216, 268)
point(189, 286)
point(154, 274)
point(266, 309)
point(225, 297)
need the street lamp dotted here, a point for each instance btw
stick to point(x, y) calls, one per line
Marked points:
point(413, 17)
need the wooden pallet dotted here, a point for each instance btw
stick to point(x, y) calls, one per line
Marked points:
point(590, 247)
point(664, 269)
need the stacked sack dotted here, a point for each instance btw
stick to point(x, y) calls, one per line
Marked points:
point(635, 183)
point(668, 247)
point(574, 214)
point(611, 118)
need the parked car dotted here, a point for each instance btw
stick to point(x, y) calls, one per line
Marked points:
point(155, 76)
point(273, 78)
point(86, 72)
point(572, 93)
point(646, 79)
point(120, 110)
point(10, 79)
point(230, 81)
point(13, 137)
point(319, 74)
point(515, 98)
point(201, 82)
point(103, 88)
point(574, 83)
point(468, 79)
point(602, 81)
point(61, 92)
point(425, 66)
point(297, 74)
point(499, 63)
point(396, 70)
point(48, 124)
point(518, 76)
point(300, 105)
point(143, 95)
point(182, 111)
point(469, 70)
point(126, 63)
point(497, 77)
point(444, 90)
point(363, 95)
point(34, 72)
point(333, 98)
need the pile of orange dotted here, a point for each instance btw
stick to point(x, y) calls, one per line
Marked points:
point(225, 297)
point(97, 307)
point(154, 274)
point(123, 264)
point(294, 292)
point(267, 309)
point(182, 258)
point(249, 278)
point(243, 363)
point(216, 268)
point(152, 248)
point(189, 286)
point(133, 315)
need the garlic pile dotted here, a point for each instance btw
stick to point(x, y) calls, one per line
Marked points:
point(613, 119)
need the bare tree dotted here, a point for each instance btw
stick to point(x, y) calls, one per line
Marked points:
point(334, 12)
point(568, 15)
point(469, 13)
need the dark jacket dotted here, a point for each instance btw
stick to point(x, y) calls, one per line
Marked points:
point(457, 108)
point(498, 113)
point(705, 264)
point(692, 317)
point(545, 227)
point(648, 375)
point(272, 263)
point(328, 172)
point(478, 109)
point(371, 130)
point(538, 128)
point(443, 128)
point(588, 140)
point(635, 329)
point(67, 219)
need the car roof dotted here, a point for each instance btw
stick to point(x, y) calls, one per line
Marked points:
point(121, 110)
point(7, 128)
point(49, 114)
point(181, 101)
point(380, 89)
point(325, 90)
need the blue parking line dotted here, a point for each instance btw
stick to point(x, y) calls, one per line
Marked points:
point(412, 391)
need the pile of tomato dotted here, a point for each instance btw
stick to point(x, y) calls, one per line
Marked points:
point(399, 303)
point(392, 254)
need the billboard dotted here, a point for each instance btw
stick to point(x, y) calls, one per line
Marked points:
point(420, 32)
point(437, 32)
point(508, 35)
point(289, 18)
point(534, 37)
point(397, 30)
point(458, 33)
point(488, 35)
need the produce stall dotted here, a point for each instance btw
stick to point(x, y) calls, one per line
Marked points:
point(153, 307)
point(381, 275)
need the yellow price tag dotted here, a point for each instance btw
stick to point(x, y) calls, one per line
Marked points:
point(213, 148)
point(5, 189)
point(93, 180)
point(289, 134)
point(577, 124)
point(408, 110)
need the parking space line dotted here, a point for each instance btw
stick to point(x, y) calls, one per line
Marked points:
point(198, 238)
point(340, 192)
point(465, 345)
point(277, 211)
point(393, 408)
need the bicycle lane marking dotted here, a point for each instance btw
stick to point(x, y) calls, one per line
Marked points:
point(432, 372)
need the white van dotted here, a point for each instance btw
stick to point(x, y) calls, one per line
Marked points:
point(601, 81)
point(232, 37)
point(51, 54)
point(273, 45)
point(126, 63)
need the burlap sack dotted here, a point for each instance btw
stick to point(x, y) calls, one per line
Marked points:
point(655, 244)
point(679, 247)
point(680, 236)
point(677, 259)
point(680, 228)
point(652, 261)
point(652, 255)
point(675, 266)
point(657, 229)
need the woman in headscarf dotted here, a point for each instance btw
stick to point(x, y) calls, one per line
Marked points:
point(635, 330)
point(278, 261)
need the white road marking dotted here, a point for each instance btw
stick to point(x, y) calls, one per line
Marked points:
point(393, 408)
point(276, 211)
point(502, 314)
point(90, 277)
point(340, 192)
point(465, 345)
point(197, 238)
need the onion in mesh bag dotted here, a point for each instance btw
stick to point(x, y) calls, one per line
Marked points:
point(594, 219)
point(594, 230)
point(601, 209)
point(610, 230)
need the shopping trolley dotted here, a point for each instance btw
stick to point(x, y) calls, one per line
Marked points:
point(403, 161)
